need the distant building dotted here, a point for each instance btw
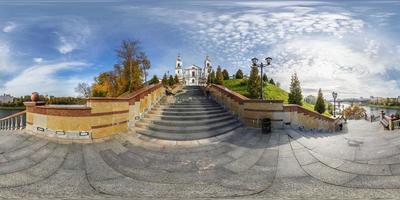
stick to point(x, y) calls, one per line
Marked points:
point(193, 75)
point(6, 98)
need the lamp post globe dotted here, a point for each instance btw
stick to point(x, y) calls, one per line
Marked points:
point(254, 61)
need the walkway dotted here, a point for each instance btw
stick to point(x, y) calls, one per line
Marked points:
point(285, 164)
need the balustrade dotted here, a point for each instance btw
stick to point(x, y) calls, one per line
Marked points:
point(13, 122)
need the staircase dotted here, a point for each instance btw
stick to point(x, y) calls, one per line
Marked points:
point(191, 116)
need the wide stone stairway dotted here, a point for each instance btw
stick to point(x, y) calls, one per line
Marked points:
point(190, 116)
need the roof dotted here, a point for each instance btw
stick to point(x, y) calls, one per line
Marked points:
point(191, 66)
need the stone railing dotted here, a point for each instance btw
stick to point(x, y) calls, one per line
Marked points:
point(13, 122)
point(99, 119)
point(251, 111)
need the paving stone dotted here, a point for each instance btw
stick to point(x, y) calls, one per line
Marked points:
point(257, 178)
point(289, 167)
point(331, 162)
point(14, 166)
point(366, 169)
point(379, 182)
point(327, 174)
point(304, 157)
point(25, 151)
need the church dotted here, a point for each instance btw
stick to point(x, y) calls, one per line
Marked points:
point(193, 75)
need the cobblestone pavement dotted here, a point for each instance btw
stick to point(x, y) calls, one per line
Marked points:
point(362, 163)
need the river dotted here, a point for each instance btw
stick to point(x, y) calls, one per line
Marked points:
point(374, 110)
point(7, 112)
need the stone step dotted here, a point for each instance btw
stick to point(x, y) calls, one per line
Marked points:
point(184, 109)
point(187, 122)
point(187, 129)
point(185, 118)
point(187, 136)
point(187, 113)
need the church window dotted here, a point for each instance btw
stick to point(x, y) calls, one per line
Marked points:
point(192, 80)
point(193, 74)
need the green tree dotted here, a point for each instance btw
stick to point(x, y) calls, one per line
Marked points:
point(154, 80)
point(164, 80)
point(226, 74)
point(265, 78)
point(171, 80)
point(176, 79)
point(212, 76)
point(254, 83)
point(320, 103)
point(271, 81)
point(239, 74)
point(295, 96)
point(219, 80)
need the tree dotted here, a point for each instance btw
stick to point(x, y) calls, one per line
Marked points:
point(212, 76)
point(239, 74)
point(265, 78)
point(219, 80)
point(176, 79)
point(165, 80)
point(84, 89)
point(154, 80)
point(226, 74)
point(253, 84)
point(171, 80)
point(132, 72)
point(295, 96)
point(320, 103)
point(271, 81)
point(145, 63)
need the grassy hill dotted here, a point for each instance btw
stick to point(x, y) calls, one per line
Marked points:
point(272, 92)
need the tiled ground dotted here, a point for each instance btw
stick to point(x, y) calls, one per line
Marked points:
point(362, 163)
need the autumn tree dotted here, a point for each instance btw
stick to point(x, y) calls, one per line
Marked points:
point(254, 83)
point(84, 89)
point(239, 74)
point(219, 80)
point(320, 103)
point(295, 94)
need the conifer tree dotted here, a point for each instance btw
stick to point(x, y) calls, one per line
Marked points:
point(320, 103)
point(295, 96)
point(226, 74)
point(154, 80)
point(271, 81)
point(212, 76)
point(253, 84)
point(265, 78)
point(171, 80)
point(219, 80)
point(165, 80)
point(239, 74)
point(176, 79)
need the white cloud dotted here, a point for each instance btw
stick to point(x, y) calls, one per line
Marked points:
point(37, 60)
point(9, 27)
point(73, 35)
point(45, 79)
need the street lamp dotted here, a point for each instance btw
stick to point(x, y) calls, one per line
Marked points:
point(334, 95)
point(261, 66)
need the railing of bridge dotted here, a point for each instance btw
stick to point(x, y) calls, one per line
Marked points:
point(16, 121)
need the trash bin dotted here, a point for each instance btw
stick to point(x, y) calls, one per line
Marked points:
point(266, 126)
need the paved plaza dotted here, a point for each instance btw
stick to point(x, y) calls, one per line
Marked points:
point(362, 163)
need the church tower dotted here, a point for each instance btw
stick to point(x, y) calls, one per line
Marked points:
point(207, 67)
point(178, 67)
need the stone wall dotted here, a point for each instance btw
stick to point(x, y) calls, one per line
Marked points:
point(251, 111)
point(100, 118)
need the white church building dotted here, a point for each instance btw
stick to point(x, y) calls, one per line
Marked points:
point(193, 75)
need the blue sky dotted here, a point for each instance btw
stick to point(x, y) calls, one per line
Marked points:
point(351, 47)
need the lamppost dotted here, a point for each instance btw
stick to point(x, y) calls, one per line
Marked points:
point(334, 95)
point(261, 66)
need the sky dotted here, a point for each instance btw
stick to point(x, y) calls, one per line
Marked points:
point(351, 47)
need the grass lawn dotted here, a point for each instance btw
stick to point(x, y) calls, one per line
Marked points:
point(272, 92)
